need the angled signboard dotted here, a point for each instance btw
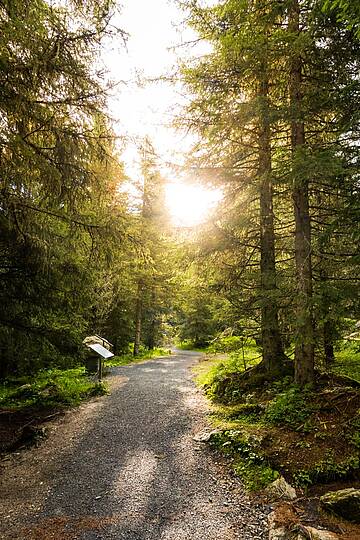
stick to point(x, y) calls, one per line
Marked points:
point(100, 350)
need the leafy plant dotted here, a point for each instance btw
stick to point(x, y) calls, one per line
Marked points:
point(327, 470)
point(292, 408)
point(255, 476)
point(144, 354)
point(249, 463)
point(50, 388)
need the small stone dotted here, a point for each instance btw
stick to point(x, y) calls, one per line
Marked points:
point(204, 436)
point(281, 490)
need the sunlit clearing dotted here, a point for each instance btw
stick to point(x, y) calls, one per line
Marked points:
point(188, 204)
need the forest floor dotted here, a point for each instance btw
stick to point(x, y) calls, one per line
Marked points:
point(127, 466)
point(309, 436)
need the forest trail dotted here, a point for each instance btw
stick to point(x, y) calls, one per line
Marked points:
point(126, 466)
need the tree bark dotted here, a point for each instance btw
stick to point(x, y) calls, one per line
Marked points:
point(304, 338)
point(138, 319)
point(328, 337)
point(272, 348)
point(325, 306)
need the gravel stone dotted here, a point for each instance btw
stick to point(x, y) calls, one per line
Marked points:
point(126, 466)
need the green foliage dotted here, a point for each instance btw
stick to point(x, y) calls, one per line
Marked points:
point(144, 354)
point(328, 470)
point(226, 344)
point(50, 388)
point(196, 322)
point(255, 476)
point(212, 374)
point(60, 215)
point(189, 346)
point(346, 11)
point(241, 90)
point(347, 360)
point(292, 408)
point(355, 439)
point(248, 462)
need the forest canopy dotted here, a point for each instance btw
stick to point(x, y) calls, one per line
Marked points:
point(273, 106)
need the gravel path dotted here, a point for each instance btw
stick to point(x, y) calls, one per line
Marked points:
point(125, 466)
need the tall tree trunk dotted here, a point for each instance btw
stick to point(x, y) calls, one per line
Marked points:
point(272, 348)
point(150, 338)
point(304, 338)
point(325, 307)
point(328, 337)
point(138, 318)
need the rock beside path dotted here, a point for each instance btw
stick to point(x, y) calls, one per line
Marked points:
point(345, 503)
point(284, 524)
point(280, 489)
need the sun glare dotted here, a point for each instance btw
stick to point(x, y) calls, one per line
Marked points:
point(190, 204)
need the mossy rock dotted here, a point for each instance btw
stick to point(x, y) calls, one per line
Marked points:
point(345, 503)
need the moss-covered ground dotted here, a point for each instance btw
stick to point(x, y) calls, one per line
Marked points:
point(310, 435)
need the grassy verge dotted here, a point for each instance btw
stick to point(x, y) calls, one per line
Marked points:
point(129, 358)
point(309, 436)
point(49, 388)
point(189, 346)
point(347, 359)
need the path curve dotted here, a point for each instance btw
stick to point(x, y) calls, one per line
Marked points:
point(126, 466)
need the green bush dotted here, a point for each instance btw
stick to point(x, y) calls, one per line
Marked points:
point(328, 470)
point(292, 408)
point(49, 388)
point(129, 358)
point(225, 344)
point(347, 360)
point(248, 464)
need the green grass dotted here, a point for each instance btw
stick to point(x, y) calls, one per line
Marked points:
point(206, 370)
point(209, 371)
point(292, 408)
point(129, 358)
point(49, 388)
point(347, 360)
point(248, 462)
point(189, 346)
point(255, 476)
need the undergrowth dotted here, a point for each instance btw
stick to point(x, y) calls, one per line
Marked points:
point(49, 388)
point(292, 408)
point(327, 470)
point(248, 462)
point(305, 434)
point(211, 373)
point(129, 358)
point(347, 360)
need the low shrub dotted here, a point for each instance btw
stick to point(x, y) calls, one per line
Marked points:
point(328, 470)
point(292, 408)
point(249, 464)
point(129, 358)
point(49, 388)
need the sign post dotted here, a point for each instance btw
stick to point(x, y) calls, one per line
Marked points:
point(103, 353)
